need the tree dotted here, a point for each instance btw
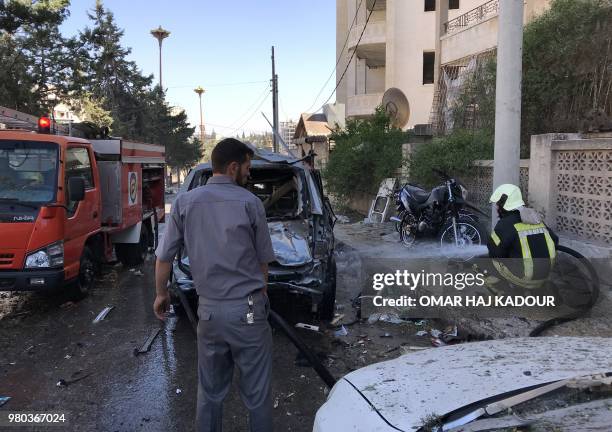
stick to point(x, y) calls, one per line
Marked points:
point(365, 152)
point(37, 62)
point(107, 75)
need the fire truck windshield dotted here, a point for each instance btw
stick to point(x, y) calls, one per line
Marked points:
point(28, 171)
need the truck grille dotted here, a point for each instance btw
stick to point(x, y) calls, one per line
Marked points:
point(6, 259)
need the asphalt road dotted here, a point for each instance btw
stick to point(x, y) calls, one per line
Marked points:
point(46, 339)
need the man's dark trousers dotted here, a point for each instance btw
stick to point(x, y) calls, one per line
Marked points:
point(226, 338)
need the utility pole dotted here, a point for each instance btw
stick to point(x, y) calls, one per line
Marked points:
point(160, 34)
point(199, 90)
point(506, 167)
point(274, 104)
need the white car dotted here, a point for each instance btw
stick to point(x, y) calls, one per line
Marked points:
point(459, 384)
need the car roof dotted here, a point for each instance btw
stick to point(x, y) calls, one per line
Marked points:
point(440, 380)
point(255, 163)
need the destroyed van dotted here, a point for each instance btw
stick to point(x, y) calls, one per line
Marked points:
point(301, 222)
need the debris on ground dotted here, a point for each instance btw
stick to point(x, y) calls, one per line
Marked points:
point(386, 335)
point(146, 346)
point(103, 313)
point(385, 317)
point(441, 337)
point(342, 331)
point(405, 349)
point(336, 320)
point(4, 399)
point(342, 219)
point(65, 383)
point(138, 273)
point(302, 361)
point(437, 342)
point(307, 327)
point(179, 391)
point(67, 305)
point(276, 402)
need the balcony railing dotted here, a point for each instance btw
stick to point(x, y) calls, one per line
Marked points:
point(478, 14)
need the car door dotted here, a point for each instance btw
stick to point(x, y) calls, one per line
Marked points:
point(83, 217)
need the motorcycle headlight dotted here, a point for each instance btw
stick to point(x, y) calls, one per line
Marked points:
point(49, 256)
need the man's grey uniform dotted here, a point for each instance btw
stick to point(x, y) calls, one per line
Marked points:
point(224, 231)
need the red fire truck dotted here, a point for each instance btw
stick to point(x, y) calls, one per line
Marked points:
point(68, 204)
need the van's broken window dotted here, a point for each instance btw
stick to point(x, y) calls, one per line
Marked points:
point(279, 192)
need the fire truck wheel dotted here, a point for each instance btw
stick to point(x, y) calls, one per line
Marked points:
point(133, 254)
point(86, 278)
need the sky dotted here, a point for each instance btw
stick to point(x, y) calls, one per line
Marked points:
point(225, 47)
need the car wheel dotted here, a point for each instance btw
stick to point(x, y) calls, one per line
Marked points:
point(327, 304)
point(86, 278)
point(133, 254)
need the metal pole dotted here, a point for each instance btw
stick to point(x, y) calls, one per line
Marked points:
point(160, 34)
point(199, 90)
point(160, 65)
point(274, 104)
point(506, 167)
point(441, 19)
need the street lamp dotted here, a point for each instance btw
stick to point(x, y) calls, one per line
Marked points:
point(160, 34)
point(199, 90)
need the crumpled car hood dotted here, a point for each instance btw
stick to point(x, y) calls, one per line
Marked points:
point(290, 243)
point(437, 381)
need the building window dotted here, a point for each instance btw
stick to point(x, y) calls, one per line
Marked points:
point(430, 5)
point(429, 61)
point(453, 4)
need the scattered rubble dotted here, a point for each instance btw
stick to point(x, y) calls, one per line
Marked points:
point(311, 327)
point(341, 332)
point(336, 320)
point(102, 315)
point(146, 346)
point(65, 383)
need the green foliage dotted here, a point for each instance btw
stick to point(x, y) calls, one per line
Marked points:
point(567, 72)
point(33, 70)
point(567, 66)
point(92, 73)
point(453, 154)
point(365, 152)
point(475, 105)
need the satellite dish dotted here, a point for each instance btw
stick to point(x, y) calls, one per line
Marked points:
point(396, 105)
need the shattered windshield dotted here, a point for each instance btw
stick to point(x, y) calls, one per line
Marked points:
point(28, 171)
point(280, 192)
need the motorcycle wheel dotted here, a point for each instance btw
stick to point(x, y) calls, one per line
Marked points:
point(407, 236)
point(469, 233)
point(400, 216)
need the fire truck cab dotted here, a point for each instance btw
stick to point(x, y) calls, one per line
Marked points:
point(69, 204)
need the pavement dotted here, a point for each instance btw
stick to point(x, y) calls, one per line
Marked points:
point(46, 340)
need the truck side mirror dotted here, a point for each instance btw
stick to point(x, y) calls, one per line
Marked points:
point(76, 189)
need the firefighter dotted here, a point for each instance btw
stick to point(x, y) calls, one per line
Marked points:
point(521, 247)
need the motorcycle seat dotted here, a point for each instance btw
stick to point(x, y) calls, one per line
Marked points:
point(418, 194)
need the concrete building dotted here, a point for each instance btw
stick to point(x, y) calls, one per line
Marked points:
point(465, 42)
point(287, 130)
point(397, 49)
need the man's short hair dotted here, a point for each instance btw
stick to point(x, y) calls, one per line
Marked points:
point(227, 151)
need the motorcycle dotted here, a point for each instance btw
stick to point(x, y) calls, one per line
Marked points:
point(443, 213)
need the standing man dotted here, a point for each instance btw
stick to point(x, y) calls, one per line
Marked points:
point(224, 229)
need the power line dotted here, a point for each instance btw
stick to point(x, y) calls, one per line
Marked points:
point(253, 113)
point(248, 110)
point(352, 55)
point(348, 34)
